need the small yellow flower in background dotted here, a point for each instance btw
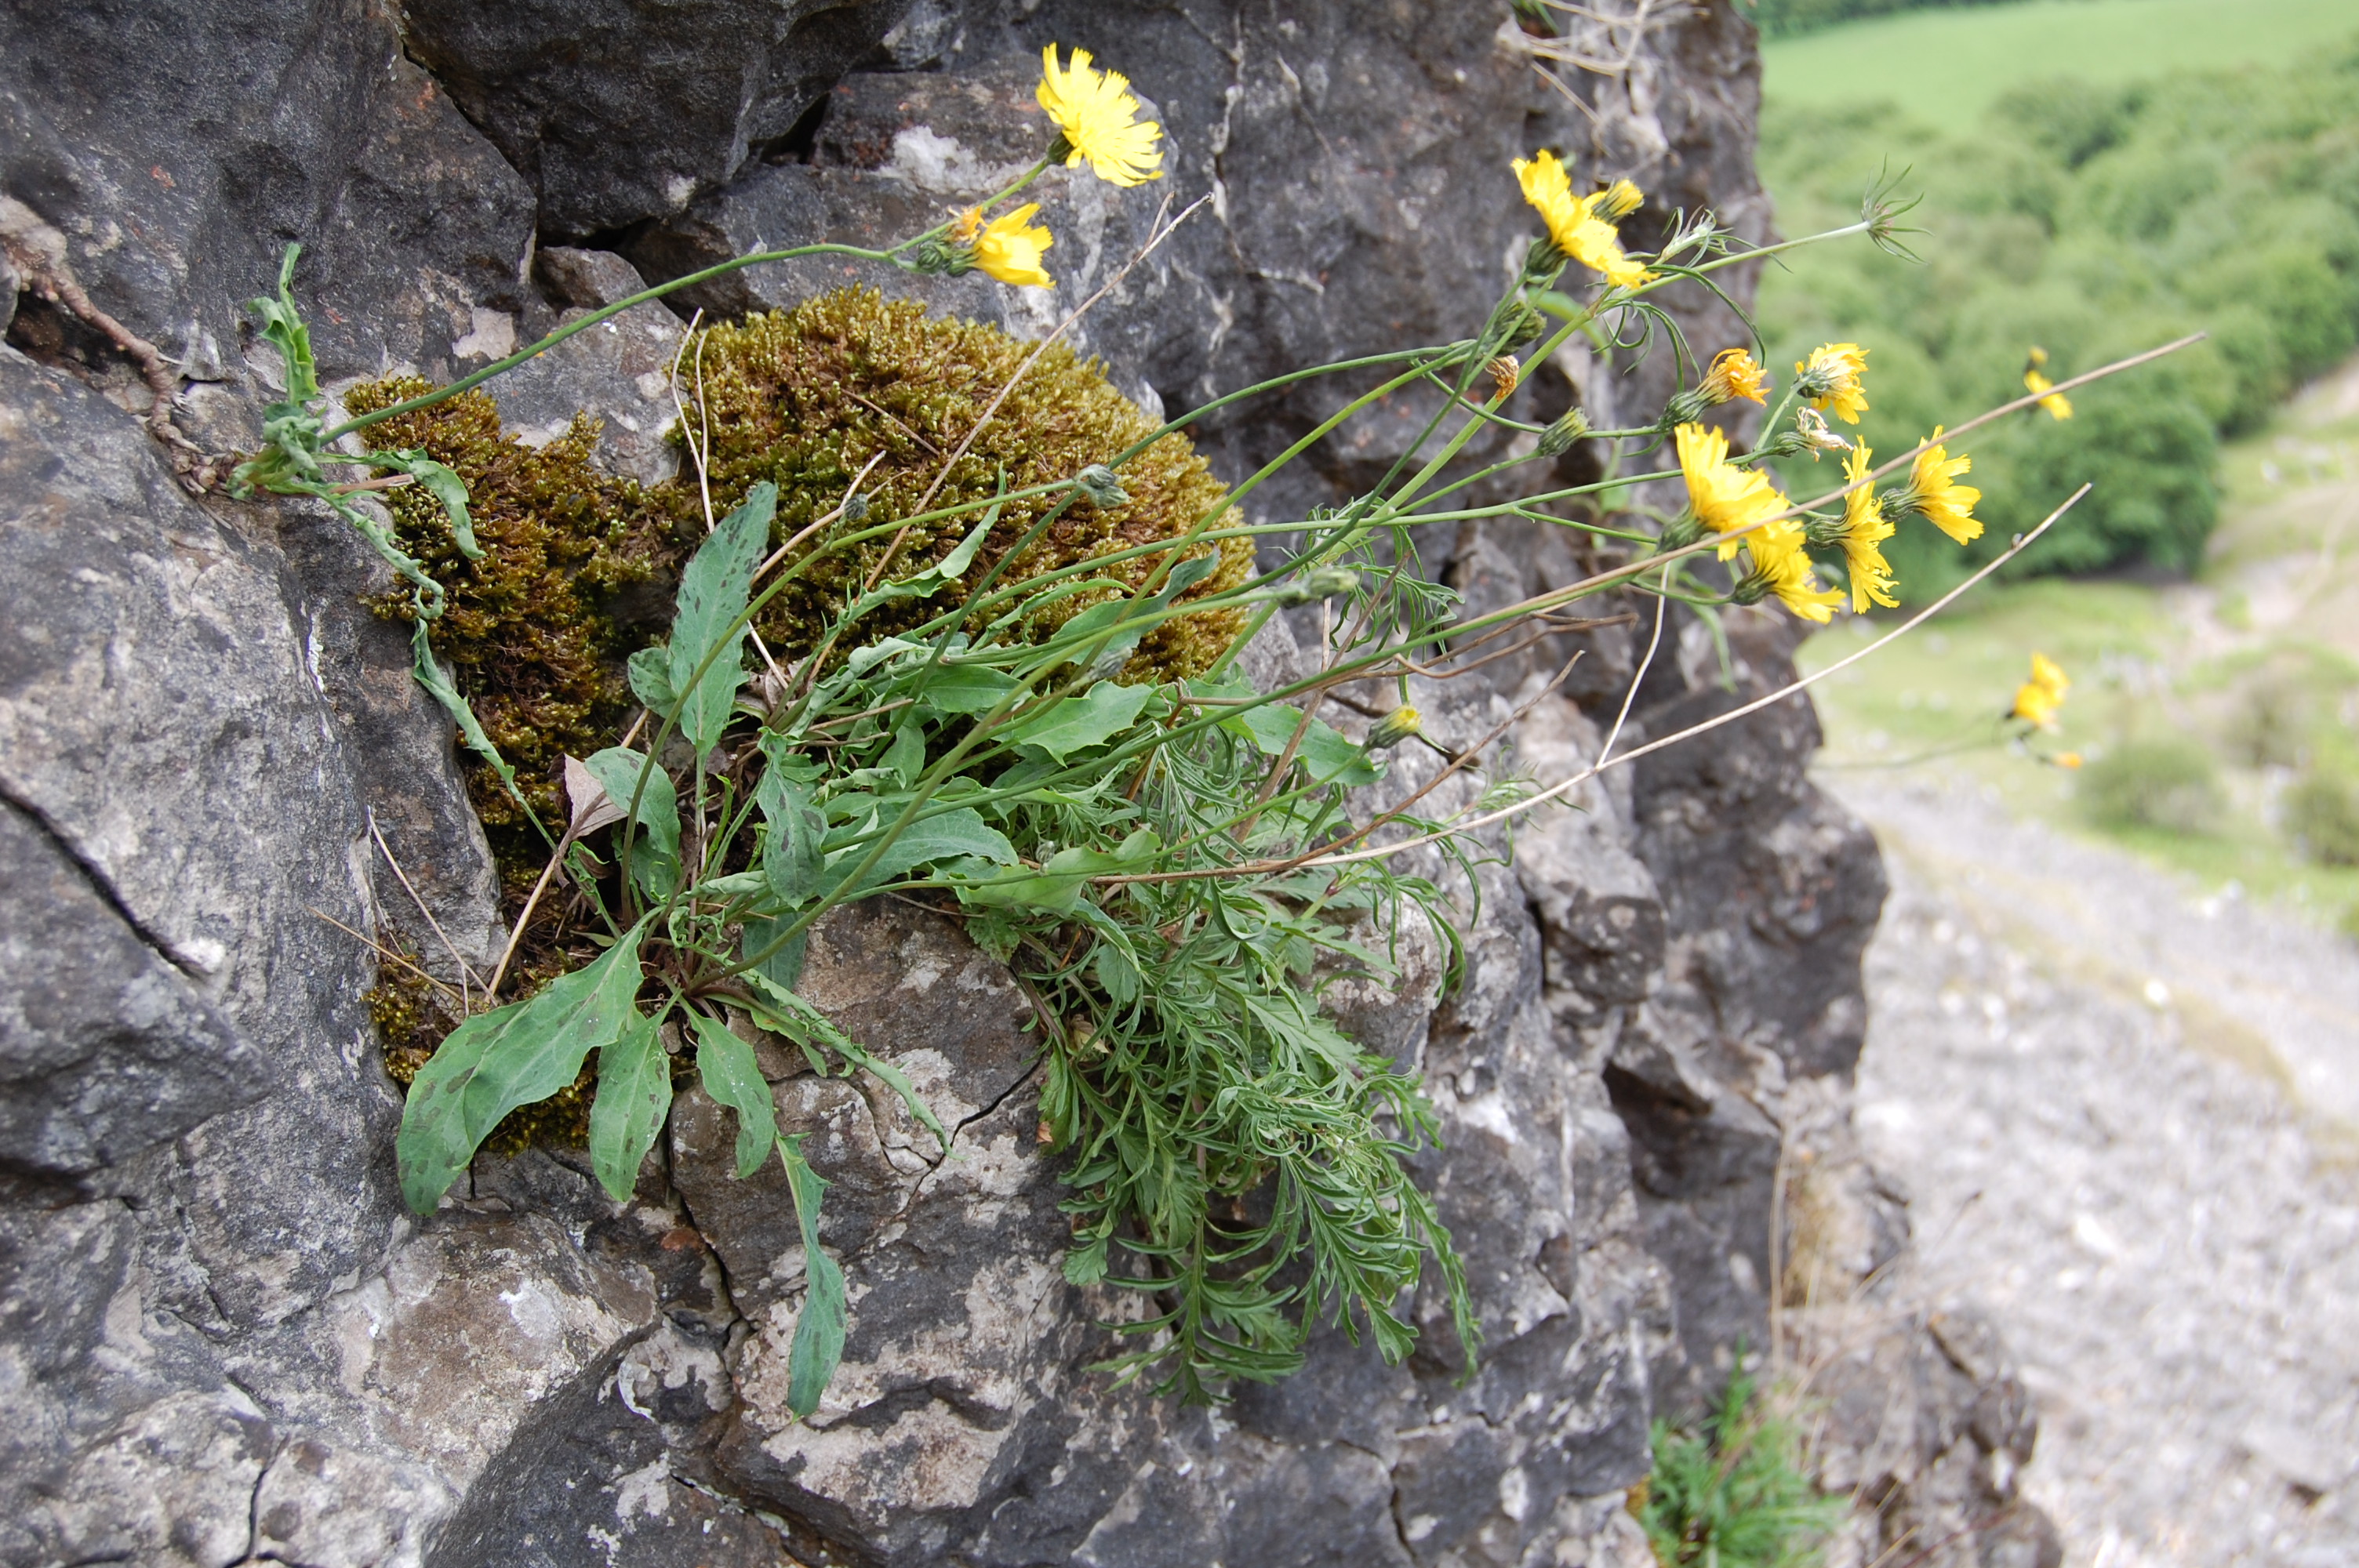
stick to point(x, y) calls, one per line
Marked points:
point(2038, 699)
point(1581, 225)
point(1934, 494)
point(1735, 374)
point(1831, 378)
point(1006, 248)
point(1782, 566)
point(2057, 405)
point(1725, 498)
point(1098, 120)
point(1864, 529)
point(2066, 759)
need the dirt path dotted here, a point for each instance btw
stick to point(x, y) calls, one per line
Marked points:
point(2125, 1112)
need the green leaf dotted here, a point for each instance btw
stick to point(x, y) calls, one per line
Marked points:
point(784, 966)
point(963, 689)
point(905, 758)
point(793, 862)
point(1086, 1265)
point(650, 671)
point(445, 487)
point(1057, 886)
point(928, 841)
point(1325, 753)
point(428, 674)
point(511, 1056)
point(818, 1345)
point(714, 591)
point(655, 857)
point(1073, 724)
point(731, 1075)
point(633, 1094)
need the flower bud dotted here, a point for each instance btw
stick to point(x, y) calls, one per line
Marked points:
point(1395, 727)
point(855, 508)
point(1098, 483)
point(1505, 375)
point(1617, 201)
point(1324, 582)
point(1680, 532)
point(1558, 437)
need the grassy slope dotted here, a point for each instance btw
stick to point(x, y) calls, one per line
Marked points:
point(1945, 66)
point(2271, 626)
point(2273, 617)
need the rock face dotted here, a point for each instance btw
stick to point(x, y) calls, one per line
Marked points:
point(222, 1338)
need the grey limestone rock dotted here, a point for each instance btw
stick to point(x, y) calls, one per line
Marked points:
point(210, 1302)
point(620, 110)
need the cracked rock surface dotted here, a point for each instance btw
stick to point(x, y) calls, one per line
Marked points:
point(221, 1338)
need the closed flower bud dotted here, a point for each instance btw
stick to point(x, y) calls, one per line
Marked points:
point(1098, 483)
point(855, 508)
point(1325, 582)
point(1395, 727)
point(1558, 437)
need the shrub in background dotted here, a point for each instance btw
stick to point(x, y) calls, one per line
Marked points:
point(2168, 784)
point(2088, 221)
point(2321, 814)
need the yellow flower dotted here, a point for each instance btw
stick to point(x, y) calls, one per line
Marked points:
point(1097, 119)
point(1725, 498)
point(2066, 759)
point(1735, 374)
point(1009, 249)
point(1934, 494)
point(1575, 223)
point(1782, 566)
point(2038, 699)
point(2057, 405)
point(1864, 529)
point(1831, 380)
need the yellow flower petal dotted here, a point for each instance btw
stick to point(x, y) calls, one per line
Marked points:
point(1009, 249)
point(1934, 494)
point(1830, 379)
point(1726, 498)
point(1735, 374)
point(1573, 222)
point(1098, 119)
point(1864, 529)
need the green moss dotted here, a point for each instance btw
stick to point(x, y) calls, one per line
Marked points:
point(530, 635)
point(807, 397)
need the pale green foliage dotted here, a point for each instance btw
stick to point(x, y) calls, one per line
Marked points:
point(1734, 1494)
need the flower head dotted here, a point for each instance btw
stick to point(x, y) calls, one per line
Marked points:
point(1782, 568)
point(1097, 120)
point(1863, 530)
point(1735, 374)
point(1830, 379)
point(2059, 407)
point(1008, 248)
point(1725, 499)
point(1395, 727)
point(1582, 226)
point(2038, 699)
point(1934, 494)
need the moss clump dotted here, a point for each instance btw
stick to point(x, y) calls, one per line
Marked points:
point(806, 397)
point(529, 634)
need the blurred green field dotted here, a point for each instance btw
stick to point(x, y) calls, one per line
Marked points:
point(2253, 668)
point(1946, 67)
